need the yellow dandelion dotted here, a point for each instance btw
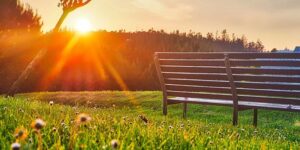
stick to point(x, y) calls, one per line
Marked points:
point(21, 133)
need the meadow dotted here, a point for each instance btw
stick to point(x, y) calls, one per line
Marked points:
point(134, 120)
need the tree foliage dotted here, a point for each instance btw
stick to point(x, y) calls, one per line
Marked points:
point(98, 60)
point(15, 16)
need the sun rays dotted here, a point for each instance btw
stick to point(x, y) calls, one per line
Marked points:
point(100, 63)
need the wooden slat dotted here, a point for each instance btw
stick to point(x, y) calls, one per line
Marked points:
point(266, 78)
point(275, 86)
point(189, 55)
point(275, 100)
point(186, 62)
point(199, 95)
point(278, 93)
point(187, 88)
point(193, 69)
point(264, 55)
point(284, 63)
point(278, 71)
point(243, 104)
point(177, 100)
point(204, 76)
point(271, 106)
point(198, 82)
point(232, 55)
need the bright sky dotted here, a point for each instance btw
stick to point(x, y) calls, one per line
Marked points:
point(275, 22)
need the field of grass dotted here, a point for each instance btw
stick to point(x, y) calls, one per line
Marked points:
point(121, 117)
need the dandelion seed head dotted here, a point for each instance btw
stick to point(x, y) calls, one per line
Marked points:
point(114, 144)
point(83, 118)
point(38, 124)
point(15, 146)
point(54, 129)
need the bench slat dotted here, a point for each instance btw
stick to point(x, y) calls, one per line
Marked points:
point(190, 55)
point(177, 100)
point(276, 100)
point(204, 76)
point(233, 63)
point(187, 88)
point(220, 55)
point(285, 63)
point(264, 55)
point(189, 69)
point(186, 62)
point(199, 95)
point(266, 78)
point(197, 82)
point(275, 86)
point(271, 106)
point(278, 71)
point(278, 93)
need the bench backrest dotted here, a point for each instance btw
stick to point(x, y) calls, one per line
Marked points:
point(254, 77)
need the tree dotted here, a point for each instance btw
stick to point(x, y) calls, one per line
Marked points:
point(15, 16)
point(68, 6)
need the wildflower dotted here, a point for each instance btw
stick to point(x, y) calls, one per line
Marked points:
point(114, 144)
point(143, 118)
point(16, 146)
point(51, 103)
point(171, 127)
point(83, 118)
point(181, 125)
point(21, 133)
point(54, 129)
point(4, 108)
point(185, 135)
point(38, 124)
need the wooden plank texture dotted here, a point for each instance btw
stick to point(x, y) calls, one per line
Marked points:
point(199, 95)
point(216, 83)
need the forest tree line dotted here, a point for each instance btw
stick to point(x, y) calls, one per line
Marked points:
point(101, 60)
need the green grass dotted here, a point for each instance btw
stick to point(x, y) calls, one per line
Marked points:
point(115, 115)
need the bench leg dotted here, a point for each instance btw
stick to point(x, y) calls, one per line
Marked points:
point(235, 117)
point(255, 117)
point(184, 109)
point(165, 109)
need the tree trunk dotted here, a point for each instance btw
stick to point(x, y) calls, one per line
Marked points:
point(36, 60)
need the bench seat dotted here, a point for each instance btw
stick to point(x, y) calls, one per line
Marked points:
point(176, 100)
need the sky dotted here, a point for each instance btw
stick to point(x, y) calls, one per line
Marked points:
point(275, 22)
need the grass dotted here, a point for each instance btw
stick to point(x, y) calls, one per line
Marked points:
point(115, 116)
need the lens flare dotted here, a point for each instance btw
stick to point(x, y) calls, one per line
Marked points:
point(83, 26)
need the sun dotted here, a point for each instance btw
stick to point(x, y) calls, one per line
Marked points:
point(83, 26)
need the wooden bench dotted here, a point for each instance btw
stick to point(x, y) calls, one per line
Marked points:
point(239, 80)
